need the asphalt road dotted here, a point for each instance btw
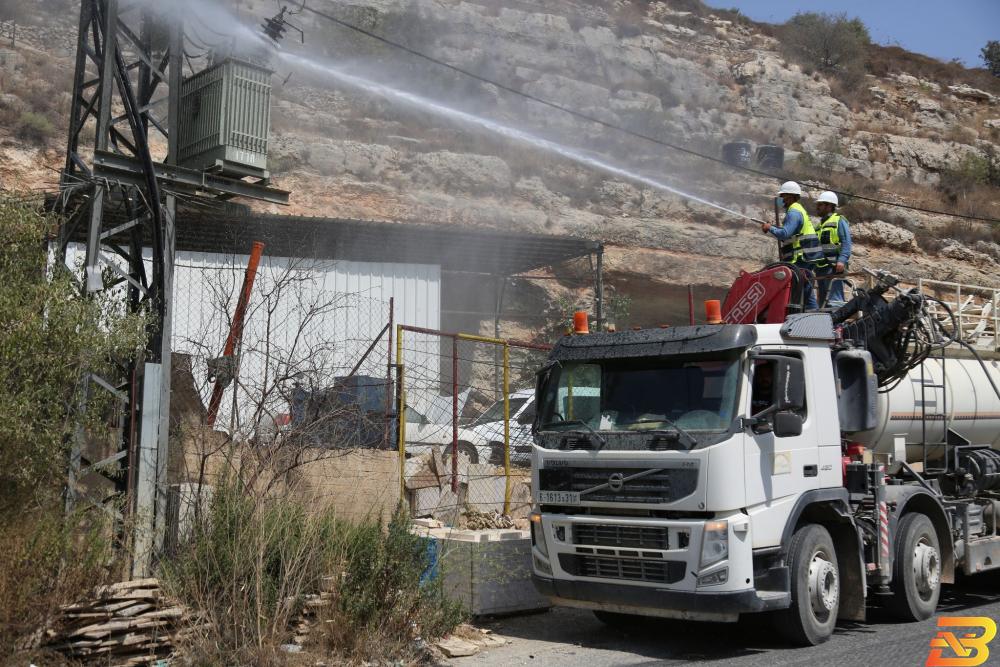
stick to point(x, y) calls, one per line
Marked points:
point(575, 637)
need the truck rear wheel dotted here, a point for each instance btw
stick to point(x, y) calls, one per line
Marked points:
point(815, 581)
point(916, 569)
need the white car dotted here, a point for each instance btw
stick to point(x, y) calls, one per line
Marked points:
point(485, 433)
point(481, 441)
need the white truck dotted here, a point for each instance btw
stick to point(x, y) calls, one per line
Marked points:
point(804, 468)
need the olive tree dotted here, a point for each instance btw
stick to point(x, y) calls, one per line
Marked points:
point(51, 335)
point(991, 57)
point(830, 43)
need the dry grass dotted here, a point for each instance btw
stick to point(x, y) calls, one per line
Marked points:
point(251, 561)
point(46, 561)
point(886, 60)
point(42, 85)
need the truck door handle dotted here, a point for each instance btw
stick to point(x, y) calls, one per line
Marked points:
point(810, 471)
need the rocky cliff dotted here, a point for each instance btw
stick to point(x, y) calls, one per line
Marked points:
point(911, 131)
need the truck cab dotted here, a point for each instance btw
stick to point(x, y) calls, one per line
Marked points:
point(696, 473)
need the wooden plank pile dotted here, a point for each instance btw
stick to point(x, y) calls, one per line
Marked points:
point(128, 623)
point(303, 624)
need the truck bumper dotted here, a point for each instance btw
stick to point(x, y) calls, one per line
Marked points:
point(697, 606)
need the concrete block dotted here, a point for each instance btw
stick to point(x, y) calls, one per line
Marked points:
point(486, 487)
point(440, 503)
point(488, 571)
point(418, 473)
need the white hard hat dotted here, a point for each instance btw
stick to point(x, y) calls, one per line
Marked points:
point(829, 198)
point(790, 188)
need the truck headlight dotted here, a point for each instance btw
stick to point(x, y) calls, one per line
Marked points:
point(714, 542)
point(714, 579)
point(537, 537)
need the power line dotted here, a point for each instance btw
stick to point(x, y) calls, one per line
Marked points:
point(618, 128)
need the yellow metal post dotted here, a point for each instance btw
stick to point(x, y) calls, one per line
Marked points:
point(506, 427)
point(401, 414)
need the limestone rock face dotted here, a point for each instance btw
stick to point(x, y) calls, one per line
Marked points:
point(878, 232)
point(363, 160)
point(462, 171)
point(688, 78)
point(968, 92)
point(958, 250)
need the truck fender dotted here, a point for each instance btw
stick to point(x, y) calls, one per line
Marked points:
point(909, 499)
point(831, 509)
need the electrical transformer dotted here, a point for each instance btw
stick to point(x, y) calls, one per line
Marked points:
point(225, 113)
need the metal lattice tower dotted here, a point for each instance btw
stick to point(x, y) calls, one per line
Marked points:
point(127, 89)
point(128, 65)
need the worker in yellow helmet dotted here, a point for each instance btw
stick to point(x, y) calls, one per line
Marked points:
point(798, 238)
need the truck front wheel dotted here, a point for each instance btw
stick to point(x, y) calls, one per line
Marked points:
point(916, 570)
point(815, 581)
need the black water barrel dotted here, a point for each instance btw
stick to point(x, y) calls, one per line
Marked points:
point(738, 153)
point(770, 157)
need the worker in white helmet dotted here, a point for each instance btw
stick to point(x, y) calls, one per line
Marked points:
point(798, 238)
point(835, 242)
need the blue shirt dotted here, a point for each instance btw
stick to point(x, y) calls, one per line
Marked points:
point(791, 226)
point(846, 245)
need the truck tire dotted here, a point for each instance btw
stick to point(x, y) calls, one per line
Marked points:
point(916, 569)
point(815, 581)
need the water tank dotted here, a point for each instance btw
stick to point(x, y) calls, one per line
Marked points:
point(225, 116)
point(972, 406)
point(739, 153)
point(770, 157)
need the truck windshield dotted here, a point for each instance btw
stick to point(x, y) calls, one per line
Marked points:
point(641, 395)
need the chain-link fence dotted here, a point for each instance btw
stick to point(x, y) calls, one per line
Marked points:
point(306, 394)
point(465, 428)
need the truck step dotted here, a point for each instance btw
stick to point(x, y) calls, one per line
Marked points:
point(771, 595)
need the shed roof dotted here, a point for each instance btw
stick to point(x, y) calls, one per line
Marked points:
point(452, 247)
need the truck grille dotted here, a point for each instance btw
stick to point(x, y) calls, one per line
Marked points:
point(658, 486)
point(634, 569)
point(637, 537)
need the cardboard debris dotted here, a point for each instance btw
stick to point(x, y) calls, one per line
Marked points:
point(453, 647)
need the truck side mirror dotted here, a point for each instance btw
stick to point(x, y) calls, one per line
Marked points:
point(787, 424)
point(789, 384)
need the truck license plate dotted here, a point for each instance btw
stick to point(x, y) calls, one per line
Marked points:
point(559, 497)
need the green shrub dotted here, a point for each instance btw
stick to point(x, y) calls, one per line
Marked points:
point(972, 185)
point(381, 600)
point(830, 43)
point(991, 57)
point(250, 561)
point(245, 569)
point(51, 337)
point(35, 127)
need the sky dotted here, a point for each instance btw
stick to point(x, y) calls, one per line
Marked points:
point(944, 30)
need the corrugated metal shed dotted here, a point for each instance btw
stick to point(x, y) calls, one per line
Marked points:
point(309, 320)
point(452, 247)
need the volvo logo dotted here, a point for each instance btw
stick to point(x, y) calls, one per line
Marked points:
point(616, 481)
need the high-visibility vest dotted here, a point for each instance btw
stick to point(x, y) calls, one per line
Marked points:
point(803, 248)
point(829, 238)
